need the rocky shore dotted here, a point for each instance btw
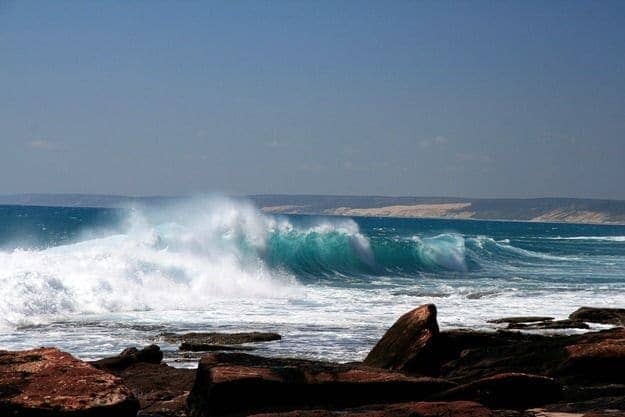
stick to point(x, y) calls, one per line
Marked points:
point(414, 370)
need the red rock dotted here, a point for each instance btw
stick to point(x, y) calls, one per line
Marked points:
point(593, 359)
point(409, 345)
point(509, 390)
point(161, 389)
point(417, 409)
point(241, 383)
point(49, 382)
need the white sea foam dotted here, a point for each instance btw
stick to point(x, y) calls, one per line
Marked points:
point(446, 251)
point(177, 265)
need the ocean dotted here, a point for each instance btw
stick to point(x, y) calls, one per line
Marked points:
point(94, 281)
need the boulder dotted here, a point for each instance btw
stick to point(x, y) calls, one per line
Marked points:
point(510, 390)
point(49, 382)
point(415, 409)
point(129, 356)
point(220, 338)
point(409, 345)
point(615, 316)
point(241, 383)
point(161, 389)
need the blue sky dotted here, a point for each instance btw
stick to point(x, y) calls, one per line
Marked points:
point(481, 99)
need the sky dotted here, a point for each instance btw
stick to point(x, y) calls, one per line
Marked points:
point(467, 99)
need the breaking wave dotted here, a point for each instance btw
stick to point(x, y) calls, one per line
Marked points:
point(183, 256)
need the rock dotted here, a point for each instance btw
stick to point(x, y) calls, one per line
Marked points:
point(416, 409)
point(510, 390)
point(604, 406)
point(615, 316)
point(129, 356)
point(414, 345)
point(203, 347)
point(49, 382)
point(220, 338)
point(242, 383)
point(596, 357)
point(546, 325)
point(521, 319)
point(409, 345)
point(599, 357)
point(161, 389)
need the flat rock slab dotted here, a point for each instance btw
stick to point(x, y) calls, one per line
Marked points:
point(521, 319)
point(416, 409)
point(550, 325)
point(49, 382)
point(229, 383)
point(220, 338)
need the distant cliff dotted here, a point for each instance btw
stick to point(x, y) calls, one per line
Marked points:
point(575, 210)
point(535, 209)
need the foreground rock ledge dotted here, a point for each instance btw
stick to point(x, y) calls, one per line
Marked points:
point(231, 383)
point(418, 409)
point(48, 382)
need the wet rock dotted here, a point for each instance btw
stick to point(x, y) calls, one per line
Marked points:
point(220, 338)
point(129, 356)
point(510, 390)
point(615, 316)
point(521, 319)
point(161, 389)
point(414, 345)
point(242, 383)
point(409, 345)
point(49, 382)
point(203, 347)
point(550, 325)
point(416, 409)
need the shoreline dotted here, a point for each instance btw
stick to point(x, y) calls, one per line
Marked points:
point(415, 369)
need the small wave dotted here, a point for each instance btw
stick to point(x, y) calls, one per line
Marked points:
point(595, 238)
point(486, 246)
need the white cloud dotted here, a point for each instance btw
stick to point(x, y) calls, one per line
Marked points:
point(43, 145)
point(435, 141)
